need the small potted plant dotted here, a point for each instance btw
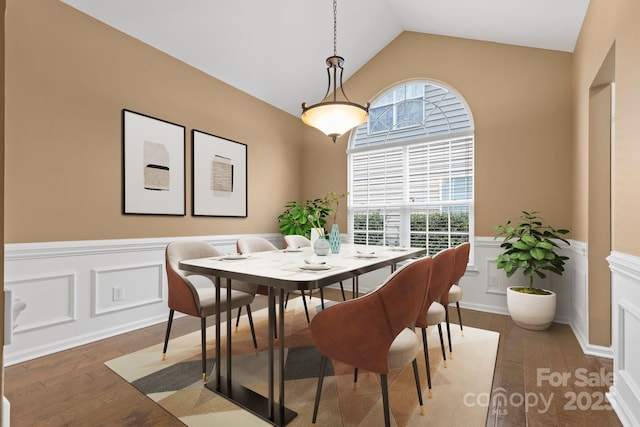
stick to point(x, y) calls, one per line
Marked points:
point(530, 246)
point(295, 218)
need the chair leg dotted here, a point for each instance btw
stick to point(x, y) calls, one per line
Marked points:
point(417, 377)
point(426, 359)
point(323, 366)
point(322, 298)
point(203, 329)
point(253, 331)
point(459, 317)
point(166, 337)
point(238, 318)
point(446, 313)
point(306, 310)
point(344, 297)
point(355, 378)
point(286, 300)
point(385, 399)
point(444, 353)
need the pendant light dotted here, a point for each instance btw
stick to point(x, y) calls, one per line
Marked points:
point(334, 117)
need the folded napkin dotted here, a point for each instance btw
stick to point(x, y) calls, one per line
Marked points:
point(312, 261)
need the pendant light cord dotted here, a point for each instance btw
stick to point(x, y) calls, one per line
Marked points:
point(335, 27)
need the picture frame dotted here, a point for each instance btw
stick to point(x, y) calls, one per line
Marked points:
point(219, 169)
point(153, 165)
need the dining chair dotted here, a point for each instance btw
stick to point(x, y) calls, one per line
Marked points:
point(432, 312)
point(454, 293)
point(253, 244)
point(296, 241)
point(375, 332)
point(200, 301)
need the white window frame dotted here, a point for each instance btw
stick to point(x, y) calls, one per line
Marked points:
point(402, 209)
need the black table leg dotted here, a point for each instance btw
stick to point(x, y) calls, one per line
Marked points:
point(261, 406)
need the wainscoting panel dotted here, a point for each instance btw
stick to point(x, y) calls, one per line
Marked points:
point(127, 287)
point(79, 292)
point(625, 282)
point(52, 300)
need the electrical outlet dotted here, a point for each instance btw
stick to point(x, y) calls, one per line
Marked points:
point(118, 293)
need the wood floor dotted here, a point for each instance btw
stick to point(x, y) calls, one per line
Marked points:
point(541, 379)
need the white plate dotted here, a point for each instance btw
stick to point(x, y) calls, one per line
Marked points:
point(397, 249)
point(366, 256)
point(292, 250)
point(315, 267)
point(234, 257)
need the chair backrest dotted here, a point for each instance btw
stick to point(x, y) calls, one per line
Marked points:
point(247, 245)
point(440, 276)
point(359, 332)
point(459, 267)
point(297, 241)
point(183, 296)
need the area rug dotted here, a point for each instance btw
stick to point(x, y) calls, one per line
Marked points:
point(460, 391)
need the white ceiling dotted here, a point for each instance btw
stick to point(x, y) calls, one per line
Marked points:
point(276, 50)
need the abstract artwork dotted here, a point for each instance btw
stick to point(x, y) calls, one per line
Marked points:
point(156, 167)
point(153, 171)
point(219, 176)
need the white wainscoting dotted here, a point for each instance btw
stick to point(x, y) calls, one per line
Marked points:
point(624, 395)
point(68, 288)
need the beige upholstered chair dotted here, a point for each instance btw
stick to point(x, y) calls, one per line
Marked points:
point(295, 241)
point(185, 297)
point(432, 312)
point(344, 331)
point(247, 245)
point(454, 293)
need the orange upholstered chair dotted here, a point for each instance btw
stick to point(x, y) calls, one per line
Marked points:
point(375, 332)
point(432, 312)
point(454, 293)
point(199, 301)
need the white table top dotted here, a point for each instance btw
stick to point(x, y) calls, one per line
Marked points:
point(285, 270)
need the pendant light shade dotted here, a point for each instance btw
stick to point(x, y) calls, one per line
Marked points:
point(334, 118)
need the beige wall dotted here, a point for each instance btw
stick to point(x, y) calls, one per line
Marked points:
point(68, 77)
point(521, 102)
point(608, 23)
point(608, 27)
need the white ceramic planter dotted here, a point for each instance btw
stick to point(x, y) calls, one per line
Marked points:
point(535, 312)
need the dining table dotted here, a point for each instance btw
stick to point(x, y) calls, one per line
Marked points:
point(281, 271)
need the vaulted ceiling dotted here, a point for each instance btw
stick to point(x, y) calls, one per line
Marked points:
point(276, 50)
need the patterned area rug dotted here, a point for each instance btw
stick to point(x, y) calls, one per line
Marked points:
point(460, 392)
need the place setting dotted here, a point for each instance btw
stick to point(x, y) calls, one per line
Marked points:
point(232, 257)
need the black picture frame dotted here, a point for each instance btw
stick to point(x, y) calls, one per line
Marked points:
point(219, 176)
point(153, 165)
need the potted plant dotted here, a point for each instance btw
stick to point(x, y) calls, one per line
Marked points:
point(530, 246)
point(295, 218)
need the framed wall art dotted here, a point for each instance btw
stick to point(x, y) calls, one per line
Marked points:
point(219, 176)
point(153, 165)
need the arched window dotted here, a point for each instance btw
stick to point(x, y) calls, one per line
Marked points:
point(411, 169)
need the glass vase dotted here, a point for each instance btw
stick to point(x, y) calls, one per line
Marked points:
point(334, 239)
point(321, 246)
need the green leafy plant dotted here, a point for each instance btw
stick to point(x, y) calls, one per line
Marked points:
point(295, 218)
point(531, 246)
